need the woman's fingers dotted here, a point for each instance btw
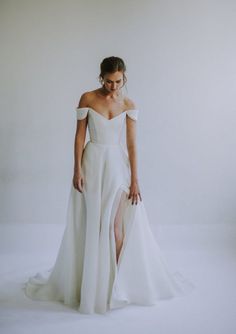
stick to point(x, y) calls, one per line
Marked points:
point(134, 198)
point(78, 184)
point(134, 193)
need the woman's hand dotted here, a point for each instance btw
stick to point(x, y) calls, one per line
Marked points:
point(78, 181)
point(134, 192)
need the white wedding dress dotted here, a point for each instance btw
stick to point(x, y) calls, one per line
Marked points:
point(86, 275)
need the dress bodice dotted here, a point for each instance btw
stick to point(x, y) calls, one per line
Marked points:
point(103, 130)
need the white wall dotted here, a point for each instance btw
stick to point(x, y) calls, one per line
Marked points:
point(180, 57)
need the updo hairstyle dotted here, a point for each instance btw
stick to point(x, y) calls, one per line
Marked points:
point(110, 65)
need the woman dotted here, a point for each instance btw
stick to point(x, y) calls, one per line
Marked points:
point(108, 256)
point(109, 102)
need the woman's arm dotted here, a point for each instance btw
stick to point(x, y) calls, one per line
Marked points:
point(132, 152)
point(79, 146)
point(131, 147)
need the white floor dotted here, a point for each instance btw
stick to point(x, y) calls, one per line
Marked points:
point(204, 254)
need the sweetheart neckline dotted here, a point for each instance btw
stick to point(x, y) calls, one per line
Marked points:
point(107, 119)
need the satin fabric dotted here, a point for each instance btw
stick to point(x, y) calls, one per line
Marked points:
point(86, 275)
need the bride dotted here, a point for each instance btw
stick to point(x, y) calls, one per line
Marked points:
point(108, 257)
point(109, 102)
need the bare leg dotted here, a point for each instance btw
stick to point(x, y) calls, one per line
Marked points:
point(118, 225)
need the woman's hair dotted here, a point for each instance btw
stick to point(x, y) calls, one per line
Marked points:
point(111, 65)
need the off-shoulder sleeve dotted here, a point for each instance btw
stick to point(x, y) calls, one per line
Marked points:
point(81, 113)
point(133, 113)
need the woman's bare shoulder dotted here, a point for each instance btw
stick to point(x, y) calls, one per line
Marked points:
point(129, 103)
point(85, 98)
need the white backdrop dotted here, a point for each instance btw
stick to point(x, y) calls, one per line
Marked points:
point(181, 70)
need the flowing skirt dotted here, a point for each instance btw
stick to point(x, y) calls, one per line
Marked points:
point(86, 274)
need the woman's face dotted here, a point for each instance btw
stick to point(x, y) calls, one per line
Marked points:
point(113, 81)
